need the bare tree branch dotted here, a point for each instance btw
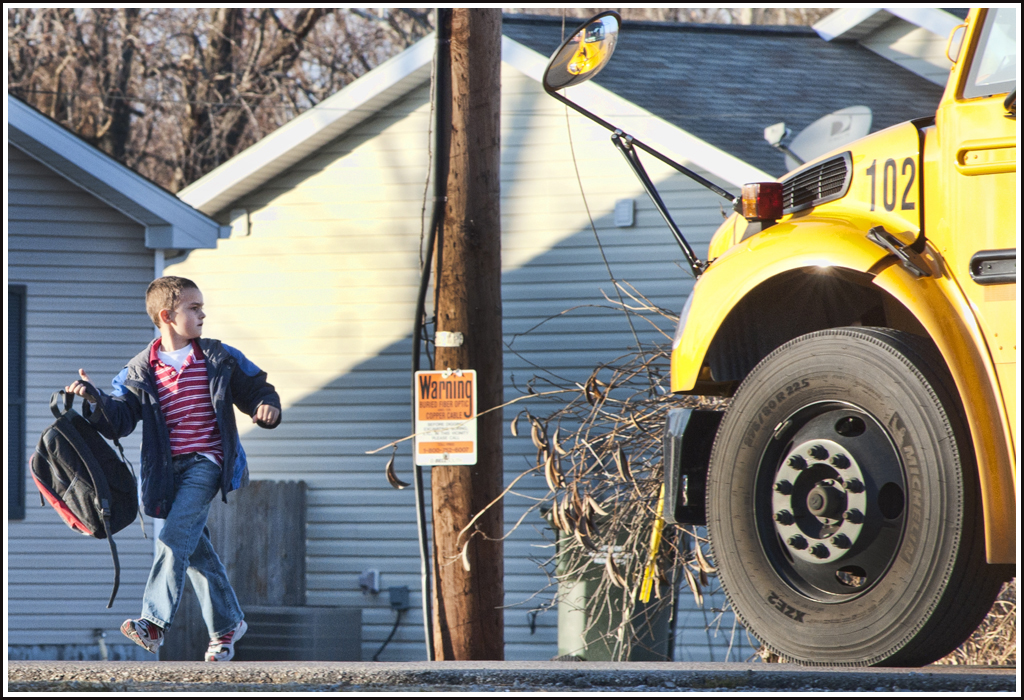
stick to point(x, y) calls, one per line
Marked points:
point(174, 92)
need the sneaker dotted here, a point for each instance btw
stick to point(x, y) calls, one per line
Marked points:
point(144, 633)
point(223, 648)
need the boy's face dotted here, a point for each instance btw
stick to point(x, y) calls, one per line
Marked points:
point(186, 319)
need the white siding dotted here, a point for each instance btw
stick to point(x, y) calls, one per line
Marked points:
point(86, 269)
point(322, 294)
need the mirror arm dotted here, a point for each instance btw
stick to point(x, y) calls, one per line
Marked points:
point(643, 146)
point(625, 145)
point(589, 115)
point(682, 168)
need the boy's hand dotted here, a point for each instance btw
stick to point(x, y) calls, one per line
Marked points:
point(266, 416)
point(80, 388)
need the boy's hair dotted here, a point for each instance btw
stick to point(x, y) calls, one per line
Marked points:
point(164, 293)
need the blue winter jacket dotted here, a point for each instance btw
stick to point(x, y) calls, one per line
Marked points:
point(233, 380)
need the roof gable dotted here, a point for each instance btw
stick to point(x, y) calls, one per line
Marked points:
point(706, 95)
point(312, 129)
point(169, 222)
point(359, 100)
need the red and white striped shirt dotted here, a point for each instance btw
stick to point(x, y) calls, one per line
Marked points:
point(185, 402)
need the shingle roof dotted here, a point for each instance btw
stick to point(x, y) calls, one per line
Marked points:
point(725, 83)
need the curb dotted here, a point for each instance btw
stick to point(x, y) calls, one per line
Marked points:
point(130, 675)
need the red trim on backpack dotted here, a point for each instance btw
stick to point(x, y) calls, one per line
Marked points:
point(62, 510)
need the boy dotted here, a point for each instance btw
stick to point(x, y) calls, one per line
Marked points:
point(182, 387)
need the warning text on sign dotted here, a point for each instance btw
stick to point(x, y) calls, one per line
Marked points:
point(445, 417)
point(440, 398)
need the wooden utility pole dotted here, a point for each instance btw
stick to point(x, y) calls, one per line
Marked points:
point(468, 615)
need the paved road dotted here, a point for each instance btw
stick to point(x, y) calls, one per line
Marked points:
point(91, 676)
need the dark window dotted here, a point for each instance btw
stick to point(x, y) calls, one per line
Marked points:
point(16, 401)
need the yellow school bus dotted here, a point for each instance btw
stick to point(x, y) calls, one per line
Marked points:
point(860, 492)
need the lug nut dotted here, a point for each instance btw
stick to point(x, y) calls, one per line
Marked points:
point(819, 453)
point(855, 486)
point(840, 461)
point(784, 517)
point(784, 487)
point(854, 516)
point(797, 542)
point(820, 551)
point(841, 541)
point(797, 462)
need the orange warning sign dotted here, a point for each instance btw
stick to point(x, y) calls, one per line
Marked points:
point(445, 417)
point(444, 398)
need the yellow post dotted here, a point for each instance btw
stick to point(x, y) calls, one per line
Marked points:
point(659, 525)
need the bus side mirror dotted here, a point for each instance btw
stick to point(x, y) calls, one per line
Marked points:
point(584, 54)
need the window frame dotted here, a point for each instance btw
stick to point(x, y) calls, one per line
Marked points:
point(971, 90)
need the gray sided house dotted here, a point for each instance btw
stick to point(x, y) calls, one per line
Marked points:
point(84, 238)
point(317, 281)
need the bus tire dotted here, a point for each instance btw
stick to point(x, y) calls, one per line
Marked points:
point(843, 505)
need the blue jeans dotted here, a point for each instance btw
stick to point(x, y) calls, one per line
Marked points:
point(184, 546)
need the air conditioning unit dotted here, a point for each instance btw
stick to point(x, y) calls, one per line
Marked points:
point(301, 634)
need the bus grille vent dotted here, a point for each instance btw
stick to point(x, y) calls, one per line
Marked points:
point(817, 184)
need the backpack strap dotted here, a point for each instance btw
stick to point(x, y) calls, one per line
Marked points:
point(95, 396)
point(55, 401)
point(105, 509)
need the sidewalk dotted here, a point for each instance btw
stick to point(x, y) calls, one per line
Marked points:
point(491, 676)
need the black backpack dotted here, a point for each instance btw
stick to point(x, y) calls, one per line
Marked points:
point(78, 473)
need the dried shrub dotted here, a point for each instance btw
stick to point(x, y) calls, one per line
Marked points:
point(599, 449)
point(994, 643)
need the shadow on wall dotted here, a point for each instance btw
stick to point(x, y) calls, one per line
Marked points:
point(556, 320)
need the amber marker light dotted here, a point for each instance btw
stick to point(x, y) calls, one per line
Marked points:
point(762, 201)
